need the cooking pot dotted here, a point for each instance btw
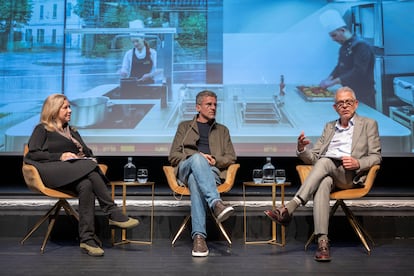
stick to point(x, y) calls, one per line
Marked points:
point(88, 111)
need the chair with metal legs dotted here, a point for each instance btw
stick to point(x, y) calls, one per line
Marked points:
point(185, 191)
point(34, 182)
point(340, 197)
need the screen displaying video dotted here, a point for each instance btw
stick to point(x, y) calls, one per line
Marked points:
point(132, 70)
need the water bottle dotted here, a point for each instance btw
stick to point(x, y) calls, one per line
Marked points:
point(268, 171)
point(130, 171)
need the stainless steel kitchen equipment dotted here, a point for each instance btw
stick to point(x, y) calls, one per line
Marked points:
point(405, 116)
point(404, 90)
point(258, 113)
point(123, 116)
point(104, 113)
point(88, 111)
point(388, 26)
point(130, 88)
point(398, 36)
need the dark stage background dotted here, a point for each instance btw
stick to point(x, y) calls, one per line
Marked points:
point(393, 178)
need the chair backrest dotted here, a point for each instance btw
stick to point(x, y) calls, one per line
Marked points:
point(303, 171)
point(34, 181)
point(358, 192)
point(184, 190)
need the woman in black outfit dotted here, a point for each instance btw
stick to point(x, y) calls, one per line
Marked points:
point(66, 163)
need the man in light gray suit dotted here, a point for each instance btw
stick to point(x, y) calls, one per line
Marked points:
point(342, 156)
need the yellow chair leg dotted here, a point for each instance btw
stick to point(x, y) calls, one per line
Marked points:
point(223, 231)
point(53, 213)
point(49, 229)
point(185, 222)
point(357, 227)
point(181, 229)
point(41, 221)
point(311, 238)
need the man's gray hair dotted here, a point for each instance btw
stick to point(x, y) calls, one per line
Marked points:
point(204, 93)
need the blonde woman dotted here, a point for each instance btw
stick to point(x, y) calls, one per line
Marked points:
point(66, 163)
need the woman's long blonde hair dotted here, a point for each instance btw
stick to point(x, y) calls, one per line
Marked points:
point(50, 110)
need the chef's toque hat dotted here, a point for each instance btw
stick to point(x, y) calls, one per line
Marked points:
point(331, 20)
point(136, 24)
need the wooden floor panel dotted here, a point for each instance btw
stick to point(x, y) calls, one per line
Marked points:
point(388, 257)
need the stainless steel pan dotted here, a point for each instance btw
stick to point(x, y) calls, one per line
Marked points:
point(88, 111)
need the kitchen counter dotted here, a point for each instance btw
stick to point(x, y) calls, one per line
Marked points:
point(275, 135)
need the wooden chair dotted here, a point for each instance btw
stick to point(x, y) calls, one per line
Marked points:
point(35, 183)
point(185, 191)
point(340, 196)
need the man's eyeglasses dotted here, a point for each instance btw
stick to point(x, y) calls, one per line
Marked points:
point(345, 103)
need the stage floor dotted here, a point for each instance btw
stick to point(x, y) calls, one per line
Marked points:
point(388, 257)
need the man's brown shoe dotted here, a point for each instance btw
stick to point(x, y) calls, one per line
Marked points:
point(222, 211)
point(279, 215)
point(322, 253)
point(200, 248)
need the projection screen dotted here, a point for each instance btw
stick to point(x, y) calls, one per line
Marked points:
point(259, 56)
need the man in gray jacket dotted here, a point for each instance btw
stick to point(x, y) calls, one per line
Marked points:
point(341, 158)
point(201, 152)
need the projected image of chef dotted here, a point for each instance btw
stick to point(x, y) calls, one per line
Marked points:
point(140, 62)
point(355, 66)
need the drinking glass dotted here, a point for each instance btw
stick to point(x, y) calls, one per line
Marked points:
point(142, 175)
point(280, 176)
point(257, 176)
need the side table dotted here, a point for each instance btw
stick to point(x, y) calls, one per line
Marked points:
point(274, 187)
point(124, 186)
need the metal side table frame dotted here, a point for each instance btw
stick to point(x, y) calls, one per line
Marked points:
point(274, 186)
point(124, 239)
